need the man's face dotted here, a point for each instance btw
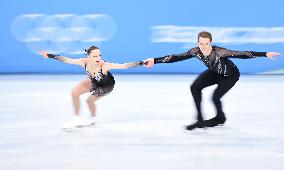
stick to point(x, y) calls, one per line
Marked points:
point(204, 44)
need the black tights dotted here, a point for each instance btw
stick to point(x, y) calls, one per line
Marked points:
point(208, 78)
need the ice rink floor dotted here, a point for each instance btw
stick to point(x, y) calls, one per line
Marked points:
point(140, 125)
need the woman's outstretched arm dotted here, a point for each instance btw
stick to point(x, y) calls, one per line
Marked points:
point(80, 61)
point(122, 66)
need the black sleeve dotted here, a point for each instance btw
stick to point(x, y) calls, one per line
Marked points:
point(173, 58)
point(241, 54)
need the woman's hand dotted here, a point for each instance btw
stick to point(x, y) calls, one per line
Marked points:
point(43, 53)
point(149, 62)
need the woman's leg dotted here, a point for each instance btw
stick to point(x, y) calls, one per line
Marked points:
point(83, 87)
point(91, 103)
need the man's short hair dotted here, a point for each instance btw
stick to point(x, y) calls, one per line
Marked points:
point(205, 34)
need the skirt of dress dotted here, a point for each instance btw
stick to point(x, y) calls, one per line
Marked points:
point(101, 91)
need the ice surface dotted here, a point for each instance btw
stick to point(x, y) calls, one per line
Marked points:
point(140, 125)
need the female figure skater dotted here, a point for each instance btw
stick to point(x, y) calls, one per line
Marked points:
point(221, 71)
point(100, 82)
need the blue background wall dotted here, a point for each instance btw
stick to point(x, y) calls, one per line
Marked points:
point(128, 31)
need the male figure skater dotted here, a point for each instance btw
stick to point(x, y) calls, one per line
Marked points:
point(221, 71)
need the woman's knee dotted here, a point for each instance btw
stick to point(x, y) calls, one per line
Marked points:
point(90, 100)
point(75, 93)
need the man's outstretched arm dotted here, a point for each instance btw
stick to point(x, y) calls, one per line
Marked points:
point(167, 59)
point(248, 54)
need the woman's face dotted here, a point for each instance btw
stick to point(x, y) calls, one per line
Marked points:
point(95, 54)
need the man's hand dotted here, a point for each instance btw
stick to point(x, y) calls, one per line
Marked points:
point(271, 54)
point(149, 62)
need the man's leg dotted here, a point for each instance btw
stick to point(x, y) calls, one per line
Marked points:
point(207, 78)
point(224, 85)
